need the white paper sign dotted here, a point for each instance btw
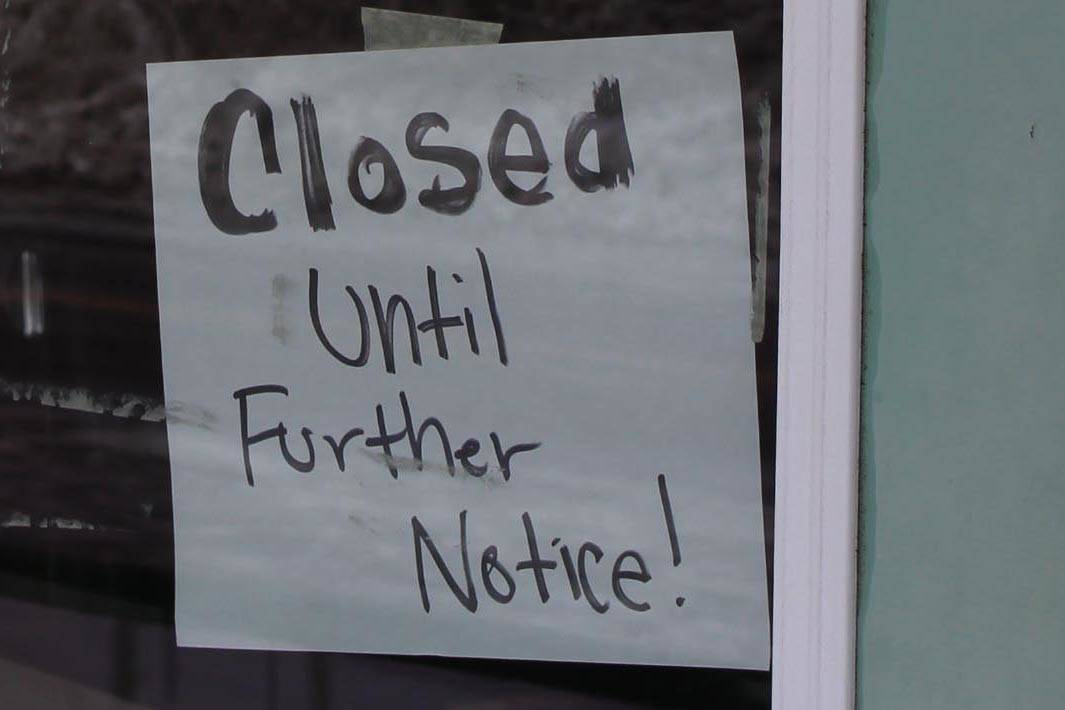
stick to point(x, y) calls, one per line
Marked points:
point(428, 396)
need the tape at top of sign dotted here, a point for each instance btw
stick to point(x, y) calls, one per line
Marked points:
point(392, 29)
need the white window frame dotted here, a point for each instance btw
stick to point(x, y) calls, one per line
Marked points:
point(815, 541)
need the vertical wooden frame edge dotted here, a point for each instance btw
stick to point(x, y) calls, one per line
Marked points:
point(820, 298)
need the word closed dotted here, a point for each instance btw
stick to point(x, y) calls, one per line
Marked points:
point(219, 128)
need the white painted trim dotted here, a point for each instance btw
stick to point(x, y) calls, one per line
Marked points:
point(820, 323)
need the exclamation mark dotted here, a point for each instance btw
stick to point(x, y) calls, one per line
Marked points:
point(671, 528)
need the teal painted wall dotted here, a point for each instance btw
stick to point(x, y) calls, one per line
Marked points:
point(962, 574)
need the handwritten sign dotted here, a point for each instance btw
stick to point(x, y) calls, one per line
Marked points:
point(456, 352)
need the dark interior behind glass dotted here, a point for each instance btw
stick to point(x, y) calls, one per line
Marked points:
point(86, 541)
